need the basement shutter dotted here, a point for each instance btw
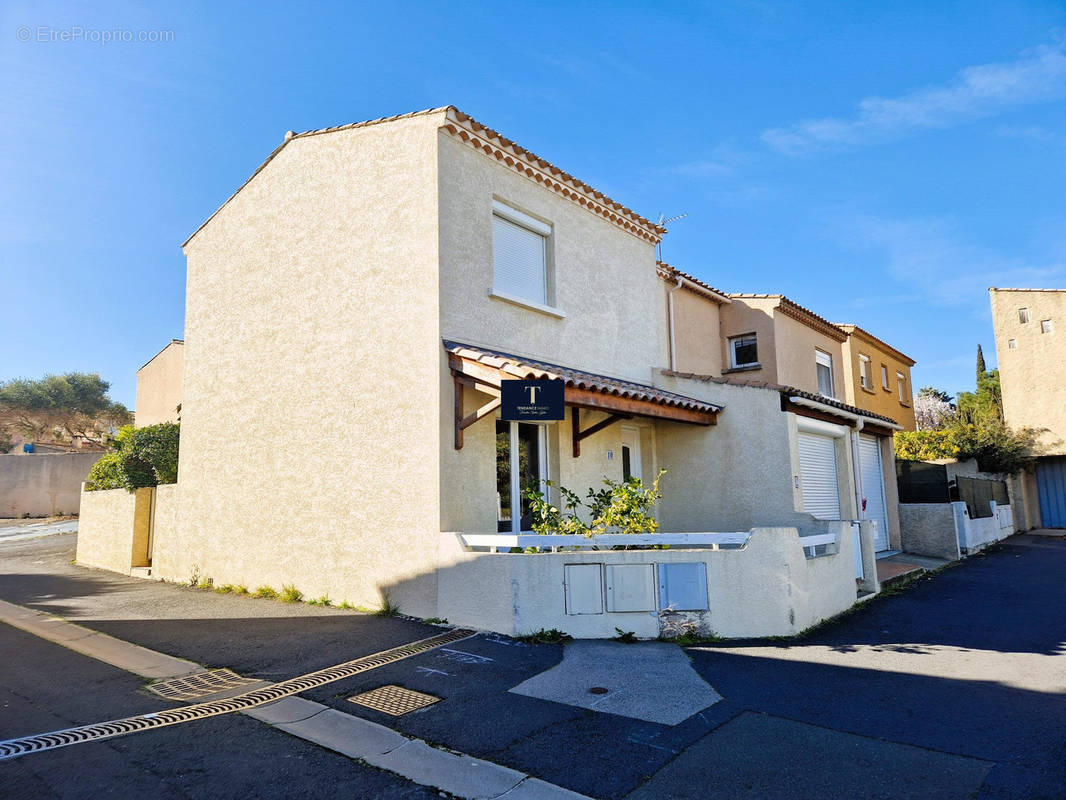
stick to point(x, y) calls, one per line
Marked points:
point(519, 259)
point(818, 475)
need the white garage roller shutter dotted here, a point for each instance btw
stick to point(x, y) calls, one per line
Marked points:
point(873, 487)
point(818, 475)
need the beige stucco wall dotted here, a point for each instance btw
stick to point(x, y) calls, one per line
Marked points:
point(106, 528)
point(159, 386)
point(605, 279)
point(795, 351)
point(605, 285)
point(43, 484)
point(310, 425)
point(877, 399)
point(1033, 375)
point(768, 588)
point(698, 342)
point(751, 315)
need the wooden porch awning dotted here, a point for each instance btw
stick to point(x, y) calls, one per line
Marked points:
point(483, 369)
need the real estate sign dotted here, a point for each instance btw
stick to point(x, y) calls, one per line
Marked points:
point(531, 401)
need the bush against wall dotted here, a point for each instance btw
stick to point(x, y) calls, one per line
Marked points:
point(623, 506)
point(142, 457)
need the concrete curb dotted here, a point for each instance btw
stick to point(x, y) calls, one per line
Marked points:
point(343, 733)
point(124, 655)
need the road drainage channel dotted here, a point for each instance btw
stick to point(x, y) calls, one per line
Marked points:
point(13, 748)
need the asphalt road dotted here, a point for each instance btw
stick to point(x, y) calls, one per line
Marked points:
point(46, 687)
point(951, 689)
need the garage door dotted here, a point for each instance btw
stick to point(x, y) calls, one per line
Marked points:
point(1051, 487)
point(873, 487)
point(818, 475)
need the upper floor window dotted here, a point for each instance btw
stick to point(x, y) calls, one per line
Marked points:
point(1023, 315)
point(1012, 344)
point(744, 350)
point(520, 255)
point(884, 378)
point(901, 382)
point(824, 365)
point(864, 372)
point(1045, 326)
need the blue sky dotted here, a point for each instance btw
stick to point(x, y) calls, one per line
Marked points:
point(882, 164)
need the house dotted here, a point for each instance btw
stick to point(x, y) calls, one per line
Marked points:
point(841, 456)
point(352, 314)
point(1028, 325)
point(877, 376)
point(159, 386)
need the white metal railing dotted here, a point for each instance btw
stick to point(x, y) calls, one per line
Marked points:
point(506, 541)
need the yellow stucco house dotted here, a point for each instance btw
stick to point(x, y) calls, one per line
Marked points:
point(159, 386)
point(1031, 354)
point(353, 312)
point(877, 376)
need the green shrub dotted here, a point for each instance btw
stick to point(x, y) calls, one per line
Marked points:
point(106, 474)
point(143, 457)
point(267, 593)
point(290, 594)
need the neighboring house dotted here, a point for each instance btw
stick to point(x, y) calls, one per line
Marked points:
point(352, 311)
point(842, 456)
point(877, 376)
point(1029, 325)
point(159, 386)
point(767, 337)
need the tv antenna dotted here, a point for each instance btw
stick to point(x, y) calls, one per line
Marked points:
point(663, 222)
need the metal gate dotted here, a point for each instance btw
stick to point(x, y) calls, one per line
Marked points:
point(1051, 487)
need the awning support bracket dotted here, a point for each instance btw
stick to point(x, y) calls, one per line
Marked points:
point(578, 434)
point(464, 422)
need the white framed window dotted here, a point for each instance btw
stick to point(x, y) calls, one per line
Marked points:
point(744, 350)
point(864, 372)
point(1045, 326)
point(901, 382)
point(520, 256)
point(1023, 315)
point(884, 378)
point(521, 464)
point(1012, 344)
point(823, 363)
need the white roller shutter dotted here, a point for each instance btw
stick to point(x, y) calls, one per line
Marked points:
point(518, 257)
point(873, 487)
point(818, 475)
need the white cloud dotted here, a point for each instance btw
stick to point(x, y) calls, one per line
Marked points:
point(976, 92)
point(933, 263)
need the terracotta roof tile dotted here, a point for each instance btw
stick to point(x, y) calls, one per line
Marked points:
point(797, 312)
point(672, 273)
point(533, 369)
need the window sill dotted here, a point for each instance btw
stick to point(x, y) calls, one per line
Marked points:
point(867, 389)
point(887, 389)
point(551, 311)
point(744, 368)
point(905, 405)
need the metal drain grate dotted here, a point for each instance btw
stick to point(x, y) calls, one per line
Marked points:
point(394, 700)
point(193, 687)
point(12, 748)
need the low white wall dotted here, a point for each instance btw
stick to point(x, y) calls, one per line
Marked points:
point(105, 529)
point(975, 534)
point(768, 588)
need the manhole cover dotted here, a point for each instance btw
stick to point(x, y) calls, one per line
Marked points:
point(394, 700)
point(199, 685)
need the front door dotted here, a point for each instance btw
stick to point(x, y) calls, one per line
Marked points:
point(521, 464)
point(873, 487)
point(631, 454)
point(1051, 489)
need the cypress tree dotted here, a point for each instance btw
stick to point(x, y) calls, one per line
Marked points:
point(981, 369)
